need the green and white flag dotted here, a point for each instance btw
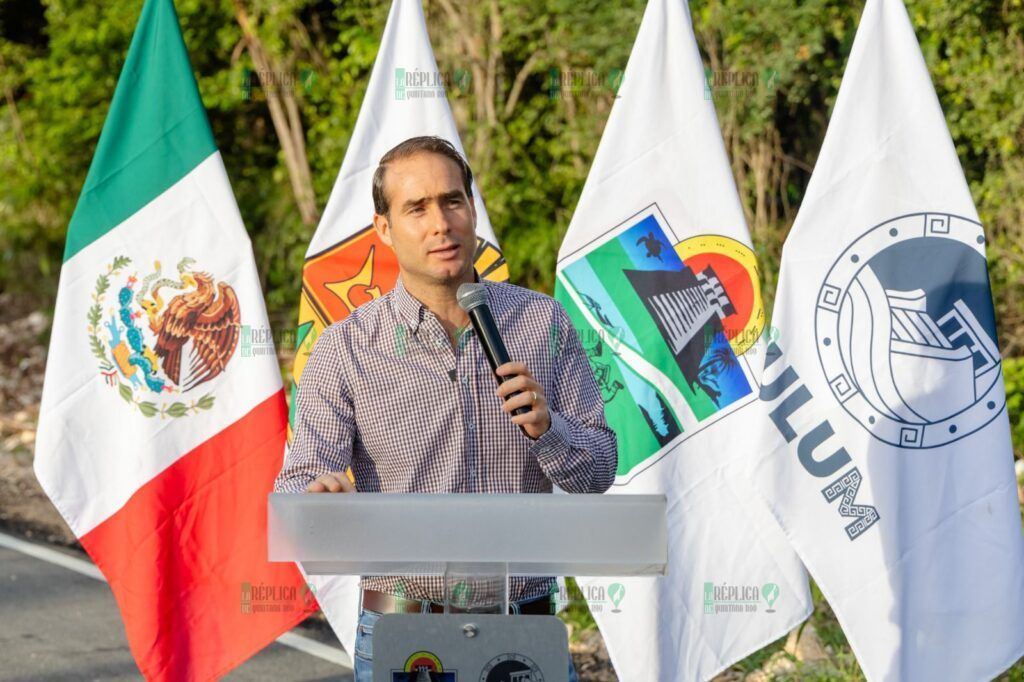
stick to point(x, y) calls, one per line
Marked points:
point(658, 275)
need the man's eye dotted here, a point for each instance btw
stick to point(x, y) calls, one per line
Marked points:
point(455, 202)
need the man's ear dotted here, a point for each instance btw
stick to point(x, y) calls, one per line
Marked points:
point(383, 228)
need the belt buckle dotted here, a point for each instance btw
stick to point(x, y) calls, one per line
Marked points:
point(475, 610)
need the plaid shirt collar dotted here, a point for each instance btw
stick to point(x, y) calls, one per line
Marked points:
point(409, 308)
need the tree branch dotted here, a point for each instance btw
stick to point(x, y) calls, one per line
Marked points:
point(285, 115)
point(520, 82)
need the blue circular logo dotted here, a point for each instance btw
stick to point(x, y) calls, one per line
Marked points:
point(906, 332)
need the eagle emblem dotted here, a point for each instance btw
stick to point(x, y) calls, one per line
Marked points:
point(161, 337)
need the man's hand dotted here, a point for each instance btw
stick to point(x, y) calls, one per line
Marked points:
point(335, 482)
point(531, 395)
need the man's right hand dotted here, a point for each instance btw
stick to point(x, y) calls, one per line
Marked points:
point(336, 482)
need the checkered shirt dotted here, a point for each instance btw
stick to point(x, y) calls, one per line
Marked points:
point(385, 392)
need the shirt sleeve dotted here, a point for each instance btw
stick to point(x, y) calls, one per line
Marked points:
point(324, 426)
point(578, 453)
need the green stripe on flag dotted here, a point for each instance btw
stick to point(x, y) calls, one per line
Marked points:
point(155, 133)
point(609, 260)
point(634, 429)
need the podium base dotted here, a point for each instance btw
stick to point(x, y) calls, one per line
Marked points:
point(469, 647)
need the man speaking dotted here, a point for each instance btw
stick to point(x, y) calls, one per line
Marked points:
point(401, 390)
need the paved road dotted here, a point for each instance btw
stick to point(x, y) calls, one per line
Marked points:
point(58, 624)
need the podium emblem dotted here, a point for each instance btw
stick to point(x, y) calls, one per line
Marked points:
point(511, 668)
point(423, 665)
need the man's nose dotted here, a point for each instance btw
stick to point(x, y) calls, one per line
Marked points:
point(439, 220)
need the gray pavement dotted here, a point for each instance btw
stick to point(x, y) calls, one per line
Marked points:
point(56, 624)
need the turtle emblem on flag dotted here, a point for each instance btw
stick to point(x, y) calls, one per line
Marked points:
point(906, 331)
point(160, 337)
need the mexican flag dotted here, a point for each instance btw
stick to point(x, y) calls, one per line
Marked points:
point(163, 415)
point(346, 264)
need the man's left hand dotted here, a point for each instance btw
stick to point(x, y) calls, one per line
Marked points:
point(530, 395)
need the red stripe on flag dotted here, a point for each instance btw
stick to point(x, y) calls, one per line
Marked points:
point(181, 552)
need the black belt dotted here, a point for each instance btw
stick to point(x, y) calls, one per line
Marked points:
point(382, 602)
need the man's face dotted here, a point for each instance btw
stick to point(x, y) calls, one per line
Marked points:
point(432, 223)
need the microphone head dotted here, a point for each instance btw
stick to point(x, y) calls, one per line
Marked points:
point(471, 295)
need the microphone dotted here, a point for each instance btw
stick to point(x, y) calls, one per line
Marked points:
point(472, 298)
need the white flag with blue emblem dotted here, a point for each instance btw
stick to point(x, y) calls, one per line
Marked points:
point(658, 275)
point(887, 456)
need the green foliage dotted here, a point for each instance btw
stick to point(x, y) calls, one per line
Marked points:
point(576, 612)
point(60, 60)
point(1013, 374)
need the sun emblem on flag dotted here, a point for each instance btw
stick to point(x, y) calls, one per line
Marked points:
point(161, 337)
point(906, 331)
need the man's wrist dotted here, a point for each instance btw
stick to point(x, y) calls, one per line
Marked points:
point(553, 441)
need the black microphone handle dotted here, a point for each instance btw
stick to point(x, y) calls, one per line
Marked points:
point(494, 347)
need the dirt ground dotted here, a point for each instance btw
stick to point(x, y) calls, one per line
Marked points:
point(24, 508)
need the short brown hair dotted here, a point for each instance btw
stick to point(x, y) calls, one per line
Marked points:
point(416, 145)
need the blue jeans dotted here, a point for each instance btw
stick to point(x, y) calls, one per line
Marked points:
point(362, 661)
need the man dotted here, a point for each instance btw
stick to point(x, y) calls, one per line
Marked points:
point(401, 391)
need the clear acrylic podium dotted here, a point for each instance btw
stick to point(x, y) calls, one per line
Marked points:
point(475, 541)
